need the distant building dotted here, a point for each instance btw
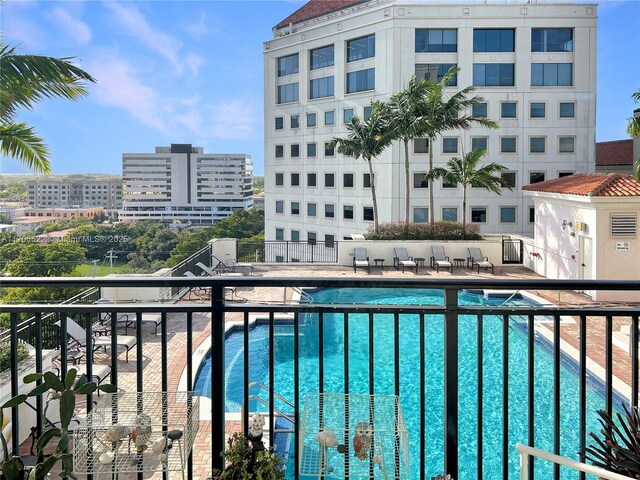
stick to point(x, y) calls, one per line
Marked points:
point(618, 156)
point(31, 224)
point(258, 201)
point(76, 191)
point(184, 185)
point(534, 63)
point(7, 228)
point(60, 213)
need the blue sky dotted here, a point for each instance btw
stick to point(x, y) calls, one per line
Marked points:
point(192, 72)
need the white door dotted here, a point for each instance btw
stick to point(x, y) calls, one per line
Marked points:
point(586, 266)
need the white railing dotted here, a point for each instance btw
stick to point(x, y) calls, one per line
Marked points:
point(526, 452)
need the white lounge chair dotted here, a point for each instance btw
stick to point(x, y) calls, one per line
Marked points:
point(230, 266)
point(476, 259)
point(360, 259)
point(79, 335)
point(203, 290)
point(439, 259)
point(403, 259)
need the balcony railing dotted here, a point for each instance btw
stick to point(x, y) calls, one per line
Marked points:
point(154, 372)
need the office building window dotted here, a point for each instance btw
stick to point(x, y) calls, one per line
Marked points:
point(321, 87)
point(435, 72)
point(329, 240)
point(366, 113)
point(295, 150)
point(312, 209)
point(329, 117)
point(564, 174)
point(361, 80)
point(493, 74)
point(347, 180)
point(329, 149)
point(329, 210)
point(507, 214)
point(295, 121)
point(567, 144)
point(537, 144)
point(537, 110)
point(347, 115)
point(280, 234)
point(509, 179)
point(321, 57)
point(420, 145)
point(479, 110)
point(311, 149)
point(312, 180)
point(288, 65)
point(450, 145)
point(532, 214)
point(420, 215)
point(493, 40)
point(288, 93)
point(295, 208)
point(479, 143)
point(295, 235)
point(311, 119)
point(347, 212)
point(552, 40)
point(361, 48)
point(508, 110)
point(366, 180)
point(279, 123)
point(329, 180)
point(536, 177)
point(508, 144)
point(436, 40)
point(311, 238)
point(450, 214)
point(295, 179)
point(279, 151)
point(419, 180)
point(279, 179)
point(567, 110)
point(551, 74)
point(367, 214)
point(279, 206)
point(479, 214)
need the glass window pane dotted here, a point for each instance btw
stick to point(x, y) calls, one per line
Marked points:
point(479, 39)
point(279, 234)
point(347, 115)
point(537, 144)
point(311, 149)
point(537, 74)
point(279, 206)
point(536, 177)
point(311, 119)
point(450, 214)
point(508, 179)
point(329, 117)
point(419, 181)
point(347, 180)
point(366, 180)
point(479, 214)
point(295, 208)
point(279, 123)
point(508, 110)
point(566, 144)
point(311, 179)
point(537, 110)
point(421, 145)
point(479, 110)
point(321, 57)
point(311, 209)
point(507, 214)
point(479, 143)
point(295, 179)
point(450, 145)
point(321, 87)
point(361, 48)
point(550, 74)
point(295, 121)
point(288, 65)
point(420, 215)
point(295, 150)
point(367, 214)
point(567, 109)
point(508, 144)
point(347, 212)
point(565, 74)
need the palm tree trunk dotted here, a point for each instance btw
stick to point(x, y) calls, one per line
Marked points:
point(464, 210)
point(406, 185)
point(431, 212)
point(373, 196)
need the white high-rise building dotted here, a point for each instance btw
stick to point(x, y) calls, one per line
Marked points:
point(533, 63)
point(184, 185)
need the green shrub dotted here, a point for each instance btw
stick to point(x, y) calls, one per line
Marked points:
point(5, 355)
point(425, 231)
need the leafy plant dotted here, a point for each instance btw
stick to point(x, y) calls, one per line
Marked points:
point(64, 392)
point(619, 448)
point(239, 459)
point(425, 231)
point(5, 355)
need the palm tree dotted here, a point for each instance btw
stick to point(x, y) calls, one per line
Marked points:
point(468, 172)
point(25, 80)
point(633, 129)
point(366, 139)
point(441, 114)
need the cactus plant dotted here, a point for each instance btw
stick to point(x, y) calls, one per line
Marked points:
point(65, 392)
point(618, 450)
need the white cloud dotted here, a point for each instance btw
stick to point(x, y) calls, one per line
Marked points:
point(200, 27)
point(194, 62)
point(76, 29)
point(234, 119)
point(118, 86)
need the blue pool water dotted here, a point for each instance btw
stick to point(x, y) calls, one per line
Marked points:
point(358, 351)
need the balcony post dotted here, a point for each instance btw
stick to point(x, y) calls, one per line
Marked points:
point(217, 377)
point(451, 382)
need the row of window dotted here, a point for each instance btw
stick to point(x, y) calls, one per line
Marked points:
point(329, 210)
point(329, 180)
point(312, 238)
point(508, 110)
point(436, 41)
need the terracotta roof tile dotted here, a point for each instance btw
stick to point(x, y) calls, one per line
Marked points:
point(591, 185)
point(618, 152)
point(316, 8)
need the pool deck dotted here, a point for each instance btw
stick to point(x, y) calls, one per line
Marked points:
point(177, 337)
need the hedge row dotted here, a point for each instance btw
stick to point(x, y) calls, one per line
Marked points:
point(425, 231)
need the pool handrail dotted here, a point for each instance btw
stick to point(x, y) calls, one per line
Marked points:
point(527, 451)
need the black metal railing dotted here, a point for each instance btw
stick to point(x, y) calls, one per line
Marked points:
point(488, 434)
point(190, 265)
point(286, 251)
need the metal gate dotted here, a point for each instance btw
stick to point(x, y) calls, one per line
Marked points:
point(512, 249)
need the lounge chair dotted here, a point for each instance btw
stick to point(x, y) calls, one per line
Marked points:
point(403, 259)
point(439, 259)
point(79, 335)
point(360, 259)
point(204, 290)
point(231, 266)
point(476, 259)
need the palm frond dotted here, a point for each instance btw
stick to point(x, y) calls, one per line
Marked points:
point(21, 142)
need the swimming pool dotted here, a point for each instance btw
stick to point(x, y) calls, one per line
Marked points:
point(358, 353)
